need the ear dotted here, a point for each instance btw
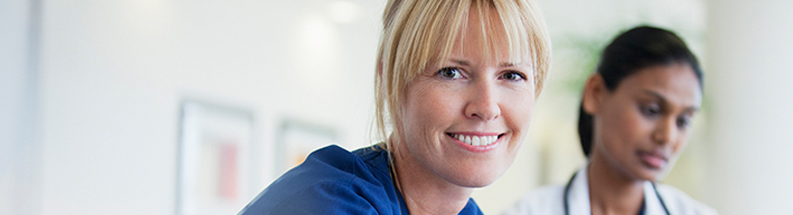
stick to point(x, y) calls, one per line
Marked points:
point(594, 91)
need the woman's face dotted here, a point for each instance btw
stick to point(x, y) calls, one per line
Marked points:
point(645, 122)
point(464, 121)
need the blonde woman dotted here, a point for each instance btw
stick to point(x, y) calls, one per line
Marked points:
point(455, 86)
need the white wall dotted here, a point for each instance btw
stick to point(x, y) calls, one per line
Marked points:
point(113, 74)
point(19, 150)
point(752, 120)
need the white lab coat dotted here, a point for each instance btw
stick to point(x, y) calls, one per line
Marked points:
point(550, 200)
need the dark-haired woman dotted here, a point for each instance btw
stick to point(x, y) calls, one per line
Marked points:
point(635, 117)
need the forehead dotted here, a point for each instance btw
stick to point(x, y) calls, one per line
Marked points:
point(676, 83)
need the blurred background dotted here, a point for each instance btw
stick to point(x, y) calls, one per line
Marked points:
point(193, 107)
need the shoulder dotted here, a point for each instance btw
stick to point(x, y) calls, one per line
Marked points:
point(544, 200)
point(471, 208)
point(679, 202)
point(331, 180)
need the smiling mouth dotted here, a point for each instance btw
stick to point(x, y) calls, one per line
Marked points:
point(475, 140)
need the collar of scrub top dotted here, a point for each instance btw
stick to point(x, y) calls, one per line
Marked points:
point(577, 196)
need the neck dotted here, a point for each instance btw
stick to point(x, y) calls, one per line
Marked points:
point(425, 192)
point(612, 191)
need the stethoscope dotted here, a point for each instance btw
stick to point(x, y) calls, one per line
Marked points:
point(567, 203)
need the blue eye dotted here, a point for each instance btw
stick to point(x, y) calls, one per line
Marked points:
point(513, 76)
point(450, 73)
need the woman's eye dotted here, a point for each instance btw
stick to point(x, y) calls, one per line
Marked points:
point(649, 110)
point(450, 73)
point(513, 76)
point(683, 122)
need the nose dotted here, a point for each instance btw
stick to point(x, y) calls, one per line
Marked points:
point(483, 101)
point(665, 131)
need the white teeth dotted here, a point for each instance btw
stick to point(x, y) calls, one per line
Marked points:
point(476, 140)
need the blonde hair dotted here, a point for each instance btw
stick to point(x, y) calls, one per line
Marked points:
point(417, 33)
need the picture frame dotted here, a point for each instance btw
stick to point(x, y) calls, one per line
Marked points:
point(216, 162)
point(297, 139)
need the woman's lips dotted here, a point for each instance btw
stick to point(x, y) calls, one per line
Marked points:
point(479, 142)
point(475, 140)
point(655, 160)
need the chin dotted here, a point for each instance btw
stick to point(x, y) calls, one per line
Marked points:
point(476, 182)
point(481, 177)
point(648, 174)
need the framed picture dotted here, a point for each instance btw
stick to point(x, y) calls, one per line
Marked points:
point(297, 140)
point(215, 163)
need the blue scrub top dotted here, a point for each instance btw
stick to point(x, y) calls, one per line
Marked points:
point(334, 181)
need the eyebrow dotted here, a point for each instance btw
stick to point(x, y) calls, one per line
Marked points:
point(507, 64)
point(664, 101)
point(461, 62)
point(466, 63)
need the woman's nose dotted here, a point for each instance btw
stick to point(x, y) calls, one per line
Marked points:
point(482, 101)
point(665, 131)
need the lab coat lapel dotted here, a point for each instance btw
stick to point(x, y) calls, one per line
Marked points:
point(651, 202)
point(578, 198)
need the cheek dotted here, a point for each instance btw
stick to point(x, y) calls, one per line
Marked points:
point(517, 112)
point(624, 127)
point(517, 105)
point(681, 142)
point(428, 108)
point(632, 124)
